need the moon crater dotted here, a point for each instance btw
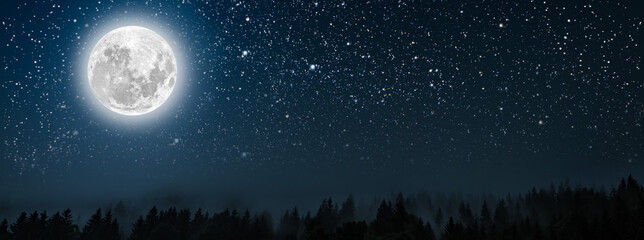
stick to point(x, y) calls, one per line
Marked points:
point(132, 70)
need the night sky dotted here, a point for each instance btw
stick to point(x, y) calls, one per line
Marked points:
point(300, 100)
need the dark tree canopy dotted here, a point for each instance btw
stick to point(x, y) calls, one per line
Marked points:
point(557, 213)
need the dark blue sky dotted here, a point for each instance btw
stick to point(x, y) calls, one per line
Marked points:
point(299, 99)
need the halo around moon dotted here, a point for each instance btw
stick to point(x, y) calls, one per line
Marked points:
point(132, 70)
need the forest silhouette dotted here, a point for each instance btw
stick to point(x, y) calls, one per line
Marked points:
point(561, 212)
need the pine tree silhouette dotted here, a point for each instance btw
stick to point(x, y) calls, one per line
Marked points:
point(101, 228)
point(20, 229)
point(348, 210)
point(289, 226)
point(486, 218)
point(4, 230)
point(61, 227)
point(453, 230)
point(500, 214)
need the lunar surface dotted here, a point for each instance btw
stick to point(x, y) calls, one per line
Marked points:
point(132, 70)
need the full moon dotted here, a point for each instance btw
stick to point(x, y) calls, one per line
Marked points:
point(132, 70)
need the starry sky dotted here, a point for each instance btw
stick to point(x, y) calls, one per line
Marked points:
point(297, 99)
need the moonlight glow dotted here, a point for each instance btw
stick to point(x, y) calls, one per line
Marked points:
point(132, 70)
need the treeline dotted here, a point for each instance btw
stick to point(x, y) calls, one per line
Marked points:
point(556, 213)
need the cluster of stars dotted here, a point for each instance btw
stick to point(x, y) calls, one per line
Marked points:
point(337, 82)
